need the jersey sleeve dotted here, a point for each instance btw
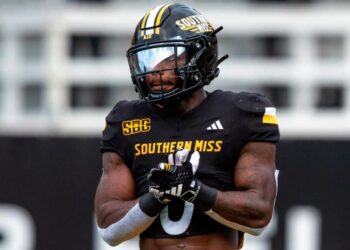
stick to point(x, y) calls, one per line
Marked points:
point(112, 136)
point(261, 119)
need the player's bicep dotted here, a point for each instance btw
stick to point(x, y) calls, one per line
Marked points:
point(116, 184)
point(255, 170)
point(117, 179)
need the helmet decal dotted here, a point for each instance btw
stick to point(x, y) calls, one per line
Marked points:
point(196, 24)
point(159, 18)
point(151, 21)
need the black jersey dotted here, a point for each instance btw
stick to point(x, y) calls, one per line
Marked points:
point(218, 129)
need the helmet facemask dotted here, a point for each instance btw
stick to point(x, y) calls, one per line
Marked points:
point(189, 61)
point(154, 69)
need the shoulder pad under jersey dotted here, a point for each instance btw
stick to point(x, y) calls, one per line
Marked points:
point(124, 110)
point(258, 105)
point(262, 122)
point(112, 135)
point(252, 102)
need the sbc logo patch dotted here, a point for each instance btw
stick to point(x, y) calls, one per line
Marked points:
point(136, 126)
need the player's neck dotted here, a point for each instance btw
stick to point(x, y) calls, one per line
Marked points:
point(183, 105)
point(191, 101)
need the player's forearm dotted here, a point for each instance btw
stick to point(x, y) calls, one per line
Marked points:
point(244, 207)
point(237, 210)
point(112, 211)
point(129, 219)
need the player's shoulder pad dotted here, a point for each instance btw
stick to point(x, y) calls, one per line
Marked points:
point(252, 102)
point(224, 97)
point(124, 110)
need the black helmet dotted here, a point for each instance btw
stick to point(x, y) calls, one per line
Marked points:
point(168, 32)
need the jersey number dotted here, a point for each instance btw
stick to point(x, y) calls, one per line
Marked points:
point(180, 226)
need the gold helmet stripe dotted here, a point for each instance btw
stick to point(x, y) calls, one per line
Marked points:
point(144, 23)
point(151, 20)
point(159, 17)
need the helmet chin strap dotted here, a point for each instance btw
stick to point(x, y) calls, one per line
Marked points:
point(162, 93)
point(163, 102)
point(161, 85)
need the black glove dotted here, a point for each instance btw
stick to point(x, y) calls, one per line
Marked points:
point(160, 194)
point(176, 178)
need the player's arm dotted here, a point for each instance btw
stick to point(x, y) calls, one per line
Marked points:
point(120, 215)
point(249, 207)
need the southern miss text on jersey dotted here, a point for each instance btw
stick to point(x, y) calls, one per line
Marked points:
point(218, 128)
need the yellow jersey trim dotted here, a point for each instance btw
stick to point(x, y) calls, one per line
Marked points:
point(269, 119)
point(270, 116)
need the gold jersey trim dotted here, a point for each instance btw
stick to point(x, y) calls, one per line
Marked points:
point(270, 116)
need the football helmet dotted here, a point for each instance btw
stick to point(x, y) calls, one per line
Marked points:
point(177, 38)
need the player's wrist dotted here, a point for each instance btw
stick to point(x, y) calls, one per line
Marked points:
point(150, 205)
point(206, 197)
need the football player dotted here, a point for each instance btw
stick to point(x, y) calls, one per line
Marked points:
point(184, 168)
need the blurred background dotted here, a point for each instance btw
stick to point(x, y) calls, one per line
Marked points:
point(63, 67)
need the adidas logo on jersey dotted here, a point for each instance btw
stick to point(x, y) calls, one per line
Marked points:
point(216, 126)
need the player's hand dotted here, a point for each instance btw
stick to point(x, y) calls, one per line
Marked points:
point(176, 178)
point(160, 194)
point(158, 190)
